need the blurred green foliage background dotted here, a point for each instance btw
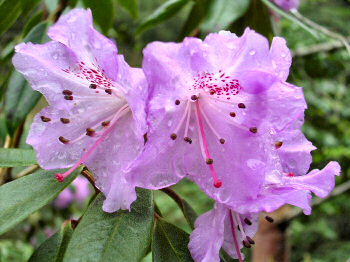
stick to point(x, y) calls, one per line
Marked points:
point(320, 65)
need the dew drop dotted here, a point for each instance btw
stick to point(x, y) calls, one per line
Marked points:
point(252, 52)
point(283, 55)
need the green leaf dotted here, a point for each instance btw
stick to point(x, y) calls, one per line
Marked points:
point(130, 6)
point(120, 236)
point(189, 214)
point(32, 21)
point(222, 13)
point(9, 12)
point(196, 16)
point(162, 13)
point(169, 243)
point(12, 157)
point(19, 96)
point(257, 18)
point(53, 249)
point(102, 12)
point(27, 6)
point(25, 195)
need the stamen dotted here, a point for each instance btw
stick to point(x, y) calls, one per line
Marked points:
point(45, 119)
point(105, 123)
point(90, 132)
point(67, 92)
point(238, 251)
point(108, 91)
point(93, 86)
point(194, 97)
point(245, 240)
point(278, 144)
point(269, 219)
point(232, 114)
point(222, 141)
point(68, 97)
point(209, 161)
point(247, 221)
point(177, 102)
point(188, 121)
point(63, 140)
point(241, 105)
point(182, 119)
point(188, 140)
point(65, 120)
point(212, 127)
point(254, 130)
point(117, 116)
point(173, 136)
point(204, 147)
point(250, 240)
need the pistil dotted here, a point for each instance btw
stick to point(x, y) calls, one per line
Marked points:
point(118, 115)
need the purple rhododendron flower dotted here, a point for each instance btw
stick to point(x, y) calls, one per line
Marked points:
point(96, 105)
point(222, 227)
point(81, 190)
point(211, 104)
point(286, 181)
point(287, 4)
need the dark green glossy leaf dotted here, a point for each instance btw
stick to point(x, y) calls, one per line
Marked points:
point(120, 236)
point(25, 195)
point(196, 16)
point(189, 214)
point(27, 6)
point(169, 243)
point(130, 6)
point(162, 13)
point(53, 249)
point(222, 13)
point(12, 157)
point(10, 10)
point(257, 18)
point(19, 96)
point(102, 12)
point(33, 21)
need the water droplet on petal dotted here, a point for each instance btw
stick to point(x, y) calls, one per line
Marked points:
point(252, 52)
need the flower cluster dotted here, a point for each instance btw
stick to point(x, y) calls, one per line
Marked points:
point(217, 111)
point(287, 4)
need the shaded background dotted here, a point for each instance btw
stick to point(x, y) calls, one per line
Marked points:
point(320, 65)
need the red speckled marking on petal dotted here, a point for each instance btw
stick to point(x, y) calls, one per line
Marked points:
point(93, 75)
point(218, 84)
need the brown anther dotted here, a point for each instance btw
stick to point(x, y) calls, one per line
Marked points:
point(105, 123)
point(194, 97)
point(209, 161)
point(246, 243)
point(253, 130)
point(67, 92)
point(250, 240)
point(177, 102)
point(93, 86)
point(63, 140)
point(241, 105)
point(222, 141)
point(232, 114)
point(173, 136)
point(68, 97)
point(211, 92)
point(45, 119)
point(247, 221)
point(65, 120)
point(188, 140)
point(108, 91)
point(278, 144)
point(90, 132)
point(269, 219)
